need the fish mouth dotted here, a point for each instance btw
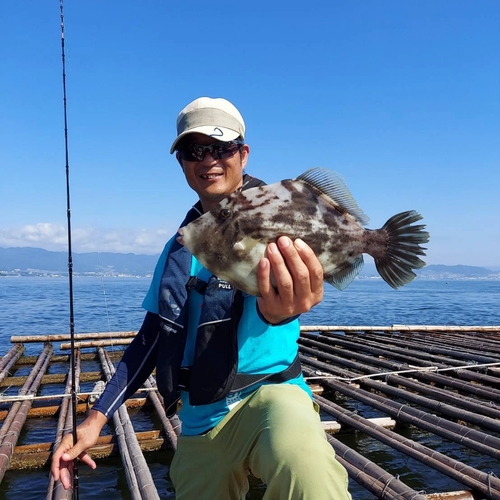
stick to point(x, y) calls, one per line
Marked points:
point(180, 238)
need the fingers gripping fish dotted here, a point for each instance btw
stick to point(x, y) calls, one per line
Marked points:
point(316, 207)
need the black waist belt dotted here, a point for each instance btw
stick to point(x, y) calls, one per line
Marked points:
point(244, 380)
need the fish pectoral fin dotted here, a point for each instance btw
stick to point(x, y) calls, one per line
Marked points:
point(245, 245)
point(345, 273)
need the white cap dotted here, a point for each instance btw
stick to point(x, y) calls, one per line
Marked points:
point(217, 118)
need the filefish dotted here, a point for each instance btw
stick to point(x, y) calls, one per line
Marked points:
point(317, 207)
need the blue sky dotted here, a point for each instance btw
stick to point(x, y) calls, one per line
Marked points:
point(399, 97)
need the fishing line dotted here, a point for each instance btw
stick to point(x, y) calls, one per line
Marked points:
point(104, 291)
point(70, 262)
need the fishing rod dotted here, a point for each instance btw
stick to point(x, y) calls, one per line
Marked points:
point(70, 263)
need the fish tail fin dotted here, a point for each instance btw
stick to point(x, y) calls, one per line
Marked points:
point(404, 239)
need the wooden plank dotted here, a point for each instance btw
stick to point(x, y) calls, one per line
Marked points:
point(334, 427)
point(96, 343)
point(38, 455)
point(57, 337)
point(400, 328)
point(54, 378)
point(452, 495)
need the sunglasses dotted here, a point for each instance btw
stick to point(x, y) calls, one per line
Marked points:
point(218, 150)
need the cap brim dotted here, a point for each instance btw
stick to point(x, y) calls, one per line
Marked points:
point(220, 133)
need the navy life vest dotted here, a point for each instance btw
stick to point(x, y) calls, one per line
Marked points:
point(215, 367)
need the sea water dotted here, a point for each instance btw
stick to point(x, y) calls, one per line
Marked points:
point(38, 305)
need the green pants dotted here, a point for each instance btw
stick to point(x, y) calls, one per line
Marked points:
point(276, 435)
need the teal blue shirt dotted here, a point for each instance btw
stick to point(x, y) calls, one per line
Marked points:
point(262, 348)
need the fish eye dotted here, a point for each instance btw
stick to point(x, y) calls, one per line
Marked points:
point(225, 213)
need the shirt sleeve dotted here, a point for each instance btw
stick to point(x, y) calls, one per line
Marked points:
point(138, 362)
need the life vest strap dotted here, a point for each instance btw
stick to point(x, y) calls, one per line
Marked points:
point(244, 380)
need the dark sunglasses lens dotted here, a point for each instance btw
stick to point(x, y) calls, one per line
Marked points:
point(227, 150)
point(192, 152)
point(196, 152)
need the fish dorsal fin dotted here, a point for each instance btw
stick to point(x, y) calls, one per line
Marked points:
point(345, 273)
point(333, 186)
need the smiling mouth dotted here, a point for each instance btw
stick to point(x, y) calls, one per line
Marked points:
point(208, 177)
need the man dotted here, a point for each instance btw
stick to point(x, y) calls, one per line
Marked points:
point(231, 357)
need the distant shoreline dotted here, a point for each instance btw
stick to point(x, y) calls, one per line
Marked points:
point(431, 277)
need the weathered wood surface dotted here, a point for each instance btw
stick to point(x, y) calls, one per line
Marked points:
point(400, 328)
point(38, 455)
point(55, 378)
point(56, 337)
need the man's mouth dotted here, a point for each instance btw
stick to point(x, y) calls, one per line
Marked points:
point(210, 176)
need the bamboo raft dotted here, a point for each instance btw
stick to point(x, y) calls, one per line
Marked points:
point(379, 384)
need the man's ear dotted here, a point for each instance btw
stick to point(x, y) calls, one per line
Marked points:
point(244, 152)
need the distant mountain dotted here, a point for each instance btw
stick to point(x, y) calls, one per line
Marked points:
point(36, 261)
point(28, 259)
point(435, 271)
point(469, 271)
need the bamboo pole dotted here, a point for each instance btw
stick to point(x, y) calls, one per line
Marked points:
point(437, 349)
point(56, 337)
point(471, 438)
point(136, 469)
point(167, 425)
point(10, 359)
point(10, 434)
point(97, 343)
point(480, 481)
point(372, 477)
point(400, 328)
point(122, 443)
point(418, 352)
point(471, 416)
point(12, 352)
point(55, 490)
point(6, 371)
point(470, 360)
point(486, 346)
point(176, 424)
point(25, 390)
point(438, 394)
point(490, 394)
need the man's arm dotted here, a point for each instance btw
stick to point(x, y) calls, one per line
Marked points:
point(136, 365)
point(299, 280)
point(138, 361)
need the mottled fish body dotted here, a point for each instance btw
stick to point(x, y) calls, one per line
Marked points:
point(316, 207)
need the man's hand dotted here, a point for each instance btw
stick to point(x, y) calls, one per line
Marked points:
point(298, 280)
point(87, 434)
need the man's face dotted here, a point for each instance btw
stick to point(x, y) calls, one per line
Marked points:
point(211, 178)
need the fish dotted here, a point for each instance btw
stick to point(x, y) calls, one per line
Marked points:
point(318, 208)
